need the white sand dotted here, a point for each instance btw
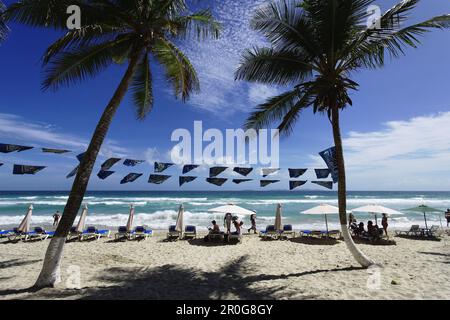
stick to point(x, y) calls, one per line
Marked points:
point(256, 269)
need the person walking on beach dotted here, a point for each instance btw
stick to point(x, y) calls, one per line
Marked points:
point(227, 222)
point(253, 222)
point(351, 219)
point(447, 216)
point(56, 218)
point(384, 223)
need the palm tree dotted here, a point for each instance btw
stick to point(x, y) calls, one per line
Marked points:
point(316, 48)
point(3, 27)
point(113, 31)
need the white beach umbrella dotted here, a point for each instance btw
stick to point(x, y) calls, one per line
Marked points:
point(323, 209)
point(278, 225)
point(179, 225)
point(130, 219)
point(233, 209)
point(82, 221)
point(24, 226)
point(375, 209)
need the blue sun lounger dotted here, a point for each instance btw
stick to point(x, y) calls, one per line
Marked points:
point(93, 233)
point(270, 232)
point(173, 234)
point(141, 233)
point(190, 232)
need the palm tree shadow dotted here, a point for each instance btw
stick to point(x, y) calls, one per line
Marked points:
point(236, 280)
point(315, 241)
point(16, 263)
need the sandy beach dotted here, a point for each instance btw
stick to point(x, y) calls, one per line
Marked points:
point(255, 269)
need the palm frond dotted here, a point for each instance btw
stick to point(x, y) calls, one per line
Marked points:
point(4, 30)
point(272, 110)
point(74, 66)
point(141, 88)
point(201, 24)
point(179, 70)
point(273, 66)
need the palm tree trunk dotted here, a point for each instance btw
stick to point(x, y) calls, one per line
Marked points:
point(50, 273)
point(359, 256)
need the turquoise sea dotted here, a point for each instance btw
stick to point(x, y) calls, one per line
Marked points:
point(159, 209)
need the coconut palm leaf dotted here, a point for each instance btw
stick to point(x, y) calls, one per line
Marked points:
point(179, 70)
point(141, 88)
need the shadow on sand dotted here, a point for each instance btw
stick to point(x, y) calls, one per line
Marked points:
point(315, 241)
point(236, 280)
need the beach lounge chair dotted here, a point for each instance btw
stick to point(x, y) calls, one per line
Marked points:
point(332, 234)
point(39, 234)
point(270, 232)
point(16, 235)
point(234, 236)
point(190, 232)
point(73, 234)
point(432, 232)
point(5, 233)
point(122, 232)
point(413, 231)
point(305, 233)
point(173, 234)
point(215, 236)
point(141, 233)
point(287, 231)
point(93, 233)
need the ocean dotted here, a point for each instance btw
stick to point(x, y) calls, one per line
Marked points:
point(159, 209)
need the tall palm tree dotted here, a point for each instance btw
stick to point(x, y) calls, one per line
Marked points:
point(112, 31)
point(316, 48)
point(3, 27)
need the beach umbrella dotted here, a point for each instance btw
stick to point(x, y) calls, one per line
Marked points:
point(130, 219)
point(24, 226)
point(323, 209)
point(278, 225)
point(233, 209)
point(376, 209)
point(179, 225)
point(424, 209)
point(82, 221)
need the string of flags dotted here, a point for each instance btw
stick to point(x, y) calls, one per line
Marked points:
point(329, 157)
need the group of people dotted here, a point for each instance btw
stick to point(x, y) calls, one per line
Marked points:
point(373, 230)
point(230, 221)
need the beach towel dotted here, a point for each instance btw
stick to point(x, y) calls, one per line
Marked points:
point(329, 156)
point(183, 180)
point(216, 181)
point(189, 167)
point(72, 173)
point(322, 173)
point(21, 169)
point(265, 183)
point(243, 171)
point(8, 148)
point(215, 171)
point(295, 184)
point(161, 166)
point(55, 151)
point(103, 174)
point(108, 164)
point(268, 171)
point(132, 163)
point(295, 173)
point(325, 184)
point(239, 181)
point(81, 156)
point(158, 179)
point(131, 178)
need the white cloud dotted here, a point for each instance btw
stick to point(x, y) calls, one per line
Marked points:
point(404, 155)
point(15, 129)
point(217, 60)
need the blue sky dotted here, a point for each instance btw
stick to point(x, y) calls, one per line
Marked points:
point(395, 135)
